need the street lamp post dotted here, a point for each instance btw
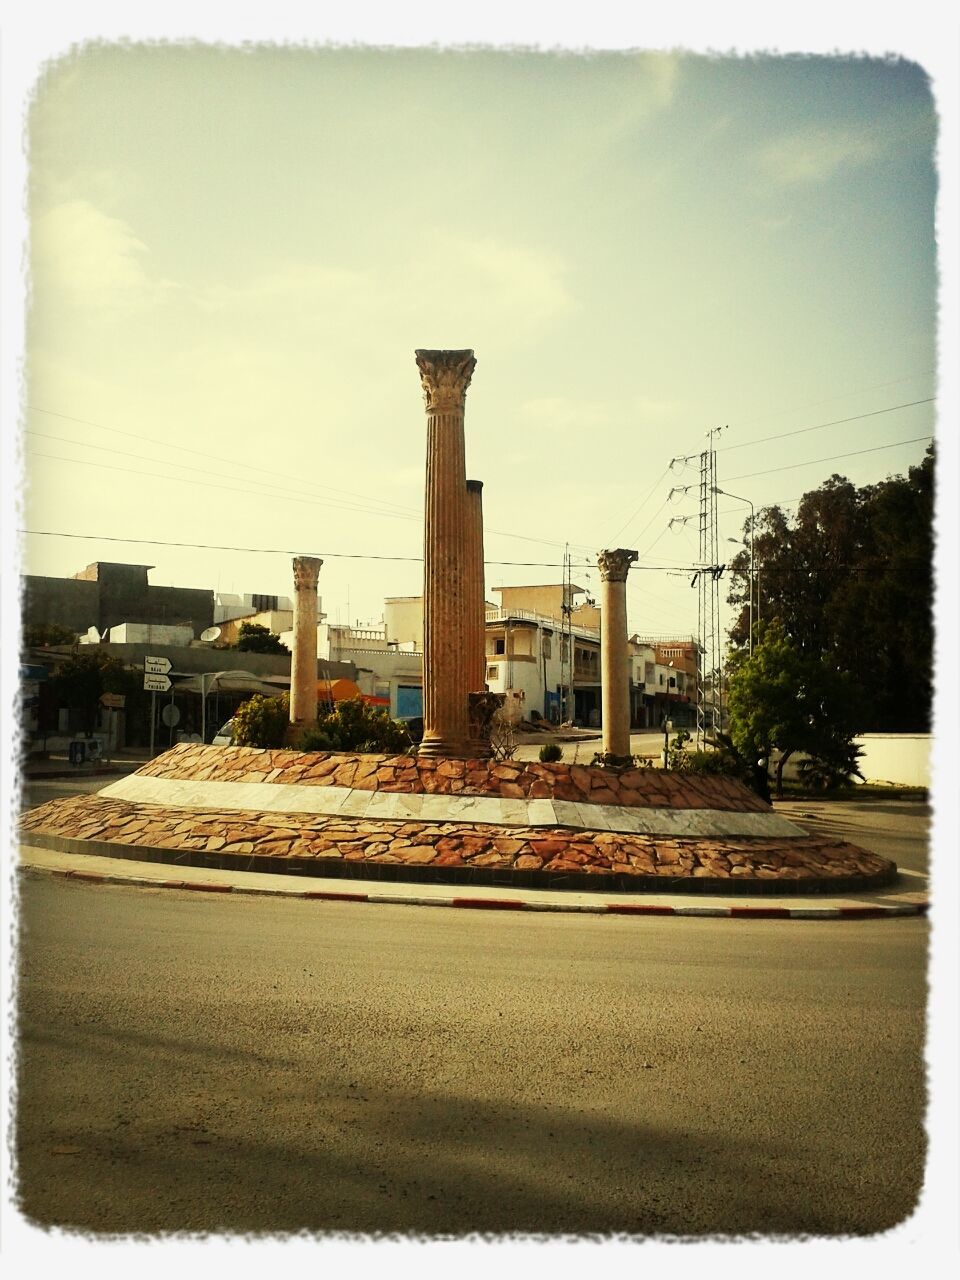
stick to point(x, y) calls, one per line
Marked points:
point(737, 498)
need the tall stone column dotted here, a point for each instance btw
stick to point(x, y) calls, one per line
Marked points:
point(303, 663)
point(476, 595)
point(614, 658)
point(445, 376)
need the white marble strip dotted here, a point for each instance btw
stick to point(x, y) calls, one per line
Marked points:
point(433, 807)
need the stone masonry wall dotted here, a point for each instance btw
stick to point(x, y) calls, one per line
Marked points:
point(517, 779)
point(307, 842)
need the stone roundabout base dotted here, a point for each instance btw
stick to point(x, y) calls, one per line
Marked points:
point(326, 815)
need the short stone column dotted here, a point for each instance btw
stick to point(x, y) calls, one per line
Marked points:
point(614, 657)
point(445, 376)
point(303, 662)
point(476, 638)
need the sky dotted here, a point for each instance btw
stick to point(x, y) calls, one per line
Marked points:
point(234, 253)
point(220, 256)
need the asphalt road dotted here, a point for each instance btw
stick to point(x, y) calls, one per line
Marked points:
point(189, 1062)
point(897, 829)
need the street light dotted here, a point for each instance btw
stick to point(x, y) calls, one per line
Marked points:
point(737, 498)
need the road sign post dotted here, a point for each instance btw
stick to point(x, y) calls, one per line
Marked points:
point(155, 680)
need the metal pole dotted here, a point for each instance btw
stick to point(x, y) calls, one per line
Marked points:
point(203, 707)
point(736, 497)
point(750, 650)
point(153, 720)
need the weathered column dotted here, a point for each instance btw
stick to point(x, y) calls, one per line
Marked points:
point(445, 376)
point(475, 595)
point(614, 658)
point(303, 662)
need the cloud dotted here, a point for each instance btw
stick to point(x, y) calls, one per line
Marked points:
point(465, 283)
point(86, 256)
point(816, 155)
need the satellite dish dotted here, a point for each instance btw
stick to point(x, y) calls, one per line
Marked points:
point(211, 633)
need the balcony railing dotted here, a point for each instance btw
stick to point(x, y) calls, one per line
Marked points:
point(558, 625)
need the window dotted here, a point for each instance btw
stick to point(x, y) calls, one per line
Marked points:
point(493, 673)
point(499, 646)
point(547, 647)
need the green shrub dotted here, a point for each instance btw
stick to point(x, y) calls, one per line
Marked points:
point(833, 769)
point(551, 752)
point(254, 638)
point(677, 758)
point(261, 721)
point(609, 760)
point(354, 725)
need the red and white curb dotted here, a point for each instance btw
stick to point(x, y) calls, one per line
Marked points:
point(737, 912)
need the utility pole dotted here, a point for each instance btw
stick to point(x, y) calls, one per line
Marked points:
point(571, 700)
point(709, 706)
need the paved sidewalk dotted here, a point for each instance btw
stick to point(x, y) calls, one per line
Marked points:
point(898, 900)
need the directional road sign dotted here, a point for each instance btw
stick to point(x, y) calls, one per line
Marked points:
point(156, 684)
point(156, 666)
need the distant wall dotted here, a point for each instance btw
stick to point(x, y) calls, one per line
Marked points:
point(70, 601)
point(902, 758)
point(107, 595)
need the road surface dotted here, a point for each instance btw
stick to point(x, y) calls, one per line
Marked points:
point(203, 1063)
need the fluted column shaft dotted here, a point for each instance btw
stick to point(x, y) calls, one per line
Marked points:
point(445, 376)
point(476, 601)
point(303, 662)
point(614, 656)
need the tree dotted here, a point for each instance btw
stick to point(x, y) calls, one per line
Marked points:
point(254, 638)
point(79, 682)
point(850, 579)
point(41, 634)
point(780, 699)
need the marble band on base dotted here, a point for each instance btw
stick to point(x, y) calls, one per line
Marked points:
point(438, 807)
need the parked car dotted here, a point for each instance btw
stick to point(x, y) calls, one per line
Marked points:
point(224, 735)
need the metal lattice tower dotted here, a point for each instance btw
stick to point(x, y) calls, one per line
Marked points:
point(710, 682)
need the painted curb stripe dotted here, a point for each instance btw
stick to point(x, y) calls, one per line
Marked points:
point(324, 896)
point(772, 913)
point(509, 904)
point(497, 904)
point(637, 909)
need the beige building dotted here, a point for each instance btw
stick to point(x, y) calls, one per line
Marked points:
point(403, 621)
point(275, 620)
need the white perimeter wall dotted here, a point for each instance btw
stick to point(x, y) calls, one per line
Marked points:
point(900, 758)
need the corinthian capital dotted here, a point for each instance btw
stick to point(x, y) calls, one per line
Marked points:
point(306, 571)
point(614, 565)
point(445, 376)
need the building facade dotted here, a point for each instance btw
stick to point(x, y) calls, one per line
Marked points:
point(105, 595)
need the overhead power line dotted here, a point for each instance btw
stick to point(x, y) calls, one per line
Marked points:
point(283, 551)
point(833, 458)
point(212, 457)
point(812, 404)
point(820, 425)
